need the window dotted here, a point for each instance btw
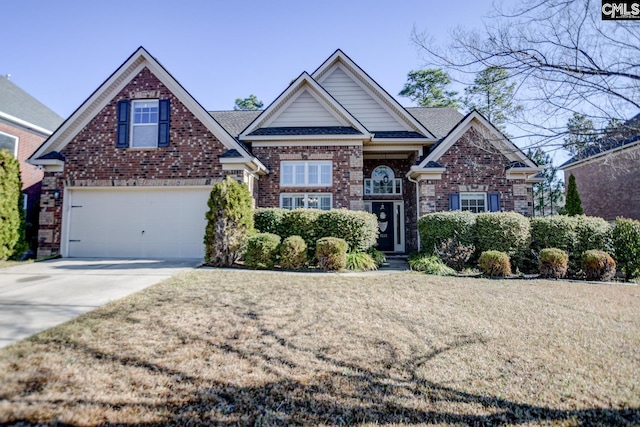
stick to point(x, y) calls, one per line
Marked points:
point(143, 123)
point(382, 181)
point(306, 174)
point(474, 202)
point(9, 143)
point(307, 200)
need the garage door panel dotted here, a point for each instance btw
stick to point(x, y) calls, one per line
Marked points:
point(137, 223)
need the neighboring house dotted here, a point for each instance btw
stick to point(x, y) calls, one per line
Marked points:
point(129, 173)
point(607, 175)
point(24, 124)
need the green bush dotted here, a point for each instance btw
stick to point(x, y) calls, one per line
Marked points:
point(269, 220)
point(293, 253)
point(495, 263)
point(626, 246)
point(553, 263)
point(302, 222)
point(454, 254)
point(429, 264)
point(229, 222)
point(12, 227)
point(331, 253)
point(379, 257)
point(360, 261)
point(508, 232)
point(598, 265)
point(358, 228)
point(591, 233)
point(437, 227)
point(261, 250)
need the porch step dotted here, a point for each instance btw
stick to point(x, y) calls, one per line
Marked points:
point(396, 263)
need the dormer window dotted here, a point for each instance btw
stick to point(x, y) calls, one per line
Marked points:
point(382, 182)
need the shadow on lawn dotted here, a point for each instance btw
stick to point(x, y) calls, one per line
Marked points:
point(343, 393)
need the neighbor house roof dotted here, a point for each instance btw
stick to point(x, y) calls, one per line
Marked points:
point(15, 103)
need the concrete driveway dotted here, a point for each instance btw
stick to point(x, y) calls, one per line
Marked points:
point(38, 296)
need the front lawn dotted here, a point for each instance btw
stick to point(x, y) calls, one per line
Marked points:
point(267, 348)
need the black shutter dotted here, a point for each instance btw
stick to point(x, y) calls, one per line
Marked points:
point(494, 202)
point(163, 122)
point(454, 202)
point(122, 138)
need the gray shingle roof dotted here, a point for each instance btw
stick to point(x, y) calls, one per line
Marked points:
point(300, 131)
point(438, 120)
point(18, 103)
point(235, 121)
point(398, 134)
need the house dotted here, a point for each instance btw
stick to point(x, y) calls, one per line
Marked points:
point(129, 173)
point(24, 125)
point(607, 174)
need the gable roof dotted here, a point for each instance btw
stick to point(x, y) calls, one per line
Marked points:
point(520, 163)
point(235, 121)
point(19, 107)
point(367, 84)
point(630, 136)
point(439, 120)
point(139, 60)
point(319, 98)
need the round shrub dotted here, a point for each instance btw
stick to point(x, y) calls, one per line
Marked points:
point(358, 228)
point(508, 232)
point(592, 233)
point(269, 220)
point(360, 261)
point(438, 227)
point(301, 222)
point(495, 263)
point(261, 250)
point(553, 263)
point(429, 264)
point(331, 253)
point(598, 265)
point(557, 231)
point(626, 246)
point(293, 253)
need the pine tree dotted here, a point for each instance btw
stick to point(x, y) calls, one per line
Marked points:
point(12, 238)
point(427, 88)
point(581, 135)
point(250, 103)
point(229, 222)
point(548, 194)
point(573, 205)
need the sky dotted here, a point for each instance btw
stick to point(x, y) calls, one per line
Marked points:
point(61, 51)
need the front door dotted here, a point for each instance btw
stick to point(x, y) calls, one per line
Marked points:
point(384, 212)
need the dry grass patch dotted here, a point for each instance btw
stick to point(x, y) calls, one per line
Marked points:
point(264, 348)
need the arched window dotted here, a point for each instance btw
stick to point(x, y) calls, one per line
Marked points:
point(382, 181)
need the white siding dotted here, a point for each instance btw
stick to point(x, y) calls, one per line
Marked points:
point(305, 110)
point(359, 102)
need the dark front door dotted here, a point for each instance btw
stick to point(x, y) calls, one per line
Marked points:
point(384, 212)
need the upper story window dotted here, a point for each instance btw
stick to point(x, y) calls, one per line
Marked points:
point(306, 174)
point(383, 182)
point(308, 201)
point(9, 143)
point(474, 202)
point(144, 124)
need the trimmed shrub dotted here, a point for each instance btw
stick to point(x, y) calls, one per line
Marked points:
point(591, 233)
point(438, 227)
point(495, 263)
point(360, 261)
point(269, 220)
point(12, 226)
point(429, 264)
point(626, 246)
point(358, 228)
point(508, 232)
point(302, 222)
point(229, 222)
point(553, 263)
point(454, 254)
point(331, 253)
point(293, 253)
point(598, 265)
point(261, 251)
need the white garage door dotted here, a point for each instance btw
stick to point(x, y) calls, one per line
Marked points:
point(137, 223)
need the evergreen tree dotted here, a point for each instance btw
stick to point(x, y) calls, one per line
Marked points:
point(548, 194)
point(250, 103)
point(581, 135)
point(12, 238)
point(492, 95)
point(229, 222)
point(573, 205)
point(427, 88)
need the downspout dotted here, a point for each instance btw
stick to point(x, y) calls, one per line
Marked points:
point(417, 183)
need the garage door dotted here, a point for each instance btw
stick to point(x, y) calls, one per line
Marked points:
point(137, 223)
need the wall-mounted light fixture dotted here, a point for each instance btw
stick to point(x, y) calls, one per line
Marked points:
point(56, 194)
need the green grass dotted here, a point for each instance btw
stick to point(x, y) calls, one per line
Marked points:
point(215, 347)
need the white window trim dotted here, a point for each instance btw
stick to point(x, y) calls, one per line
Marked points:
point(306, 198)
point(470, 196)
point(369, 188)
point(133, 125)
point(15, 148)
point(306, 164)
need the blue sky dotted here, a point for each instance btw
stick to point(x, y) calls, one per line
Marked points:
point(61, 51)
